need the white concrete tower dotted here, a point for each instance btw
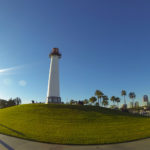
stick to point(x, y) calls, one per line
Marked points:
point(53, 95)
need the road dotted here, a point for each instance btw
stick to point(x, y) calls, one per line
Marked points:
point(12, 143)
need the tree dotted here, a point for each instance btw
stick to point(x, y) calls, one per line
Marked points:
point(17, 100)
point(117, 100)
point(105, 100)
point(33, 102)
point(85, 101)
point(105, 103)
point(96, 104)
point(132, 96)
point(80, 102)
point(93, 99)
point(113, 98)
point(3, 103)
point(99, 95)
point(11, 102)
point(124, 93)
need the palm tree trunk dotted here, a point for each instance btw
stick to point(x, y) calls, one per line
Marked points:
point(100, 102)
point(124, 100)
point(133, 103)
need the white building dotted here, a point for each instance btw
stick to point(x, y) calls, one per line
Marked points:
point(145, 100)
point(53, 93)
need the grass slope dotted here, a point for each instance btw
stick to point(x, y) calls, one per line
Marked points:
point(66, 124)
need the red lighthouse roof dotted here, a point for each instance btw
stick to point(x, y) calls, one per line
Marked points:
point(55, 52)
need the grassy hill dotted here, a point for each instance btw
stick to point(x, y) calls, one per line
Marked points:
point(66, 124)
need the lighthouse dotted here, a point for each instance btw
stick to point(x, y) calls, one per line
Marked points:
point(53, 93)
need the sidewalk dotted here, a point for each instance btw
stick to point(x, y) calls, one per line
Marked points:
point(11, 143)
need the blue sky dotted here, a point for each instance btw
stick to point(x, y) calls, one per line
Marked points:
point(105, 45)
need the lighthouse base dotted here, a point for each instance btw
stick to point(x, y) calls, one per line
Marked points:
point(53, 99)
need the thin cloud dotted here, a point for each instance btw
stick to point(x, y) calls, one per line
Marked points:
point(22, 83)
point(6, 70)
point(9, 70)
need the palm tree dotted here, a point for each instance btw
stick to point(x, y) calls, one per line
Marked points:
point(132, 96)
point(124, 93)
point(105, 100)
point(99, 95)
point(93, 99)
point(118, 101)
point(113, 98)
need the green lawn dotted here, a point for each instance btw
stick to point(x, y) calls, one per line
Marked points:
point(66, 124)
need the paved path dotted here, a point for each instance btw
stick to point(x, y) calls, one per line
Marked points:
point(11, 143)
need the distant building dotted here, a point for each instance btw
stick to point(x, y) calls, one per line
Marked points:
point(145, 100)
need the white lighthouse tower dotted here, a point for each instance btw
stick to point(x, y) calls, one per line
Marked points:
point(53, 93)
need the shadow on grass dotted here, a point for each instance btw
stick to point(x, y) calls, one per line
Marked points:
point(12, 129)
point(6, 145)
point(89, 108)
